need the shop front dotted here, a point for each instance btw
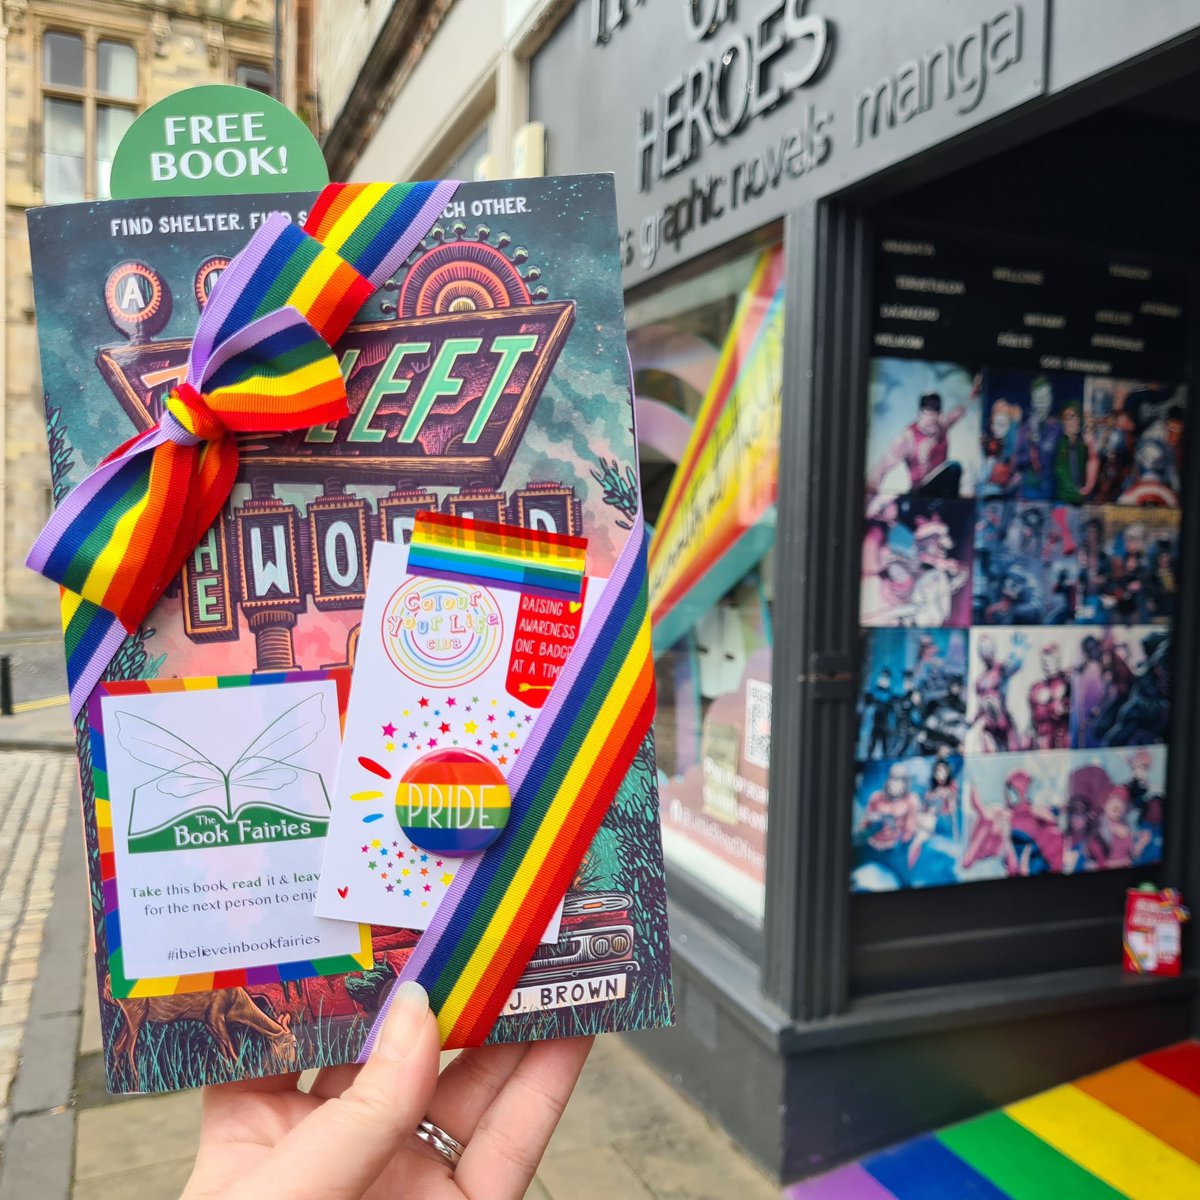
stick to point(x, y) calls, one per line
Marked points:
point(912, 302)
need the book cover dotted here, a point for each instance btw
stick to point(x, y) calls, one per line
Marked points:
point(488, 379)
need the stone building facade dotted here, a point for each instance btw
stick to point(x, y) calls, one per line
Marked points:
point(73, 77)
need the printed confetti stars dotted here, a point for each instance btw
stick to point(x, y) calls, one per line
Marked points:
point(372, 865)
point(528, 719)
point(450, 702)
point(389, 745)
point(491, 716)
point(375, 844)
point(470, 727)
point(366, 849)
point(503, 759)
point(424, 870)
point(511, 714)
point(447, 879)
point(391, 887)
point(389, 730)
point(438, 863)
point(444, 727)
point(408, 891)
point(432, 742)
point(404, 713)
point(428, 888)
point(424, 857)
point(423, 702)
point(412, 734)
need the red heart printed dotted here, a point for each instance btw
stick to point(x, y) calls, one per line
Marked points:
point(343, 892)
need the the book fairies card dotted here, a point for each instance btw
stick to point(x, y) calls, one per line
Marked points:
point(213, 798)
point(435, 723)
point(485, 377)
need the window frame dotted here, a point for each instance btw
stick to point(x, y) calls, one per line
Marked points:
point(89, 94)
point(685, 889)
point(245, 63)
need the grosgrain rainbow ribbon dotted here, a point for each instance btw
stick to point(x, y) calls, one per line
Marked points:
point(581, 747)
point(261, 361)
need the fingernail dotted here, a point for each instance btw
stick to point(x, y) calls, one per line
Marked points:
point(410, 1003)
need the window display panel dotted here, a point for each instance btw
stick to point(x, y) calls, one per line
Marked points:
point(1020, 562)
point(707, 360)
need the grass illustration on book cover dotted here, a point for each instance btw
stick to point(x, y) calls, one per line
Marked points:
point(487, 379)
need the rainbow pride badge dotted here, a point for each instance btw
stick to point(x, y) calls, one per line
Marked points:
point(453, 802)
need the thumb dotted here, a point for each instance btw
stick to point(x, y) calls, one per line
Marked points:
point(343, 1147)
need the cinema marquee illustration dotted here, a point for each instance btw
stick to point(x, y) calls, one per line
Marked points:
point(447, 381)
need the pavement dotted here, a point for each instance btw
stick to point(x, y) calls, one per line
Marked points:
point(626, 1132)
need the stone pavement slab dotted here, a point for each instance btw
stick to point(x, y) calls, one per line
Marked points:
point(596, 1174)
point(627, 1132)
point(693, 1161)
point(37, 792)
point(41, 920)
point(37, 1163)
point(126, 1142)
point(42, 729)
point(164, 1181)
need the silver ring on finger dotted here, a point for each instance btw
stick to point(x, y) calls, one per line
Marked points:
point(438, 1140)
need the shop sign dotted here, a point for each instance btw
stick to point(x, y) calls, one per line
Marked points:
point(718, 116)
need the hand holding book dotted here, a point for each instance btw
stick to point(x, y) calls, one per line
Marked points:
point(351, 1134)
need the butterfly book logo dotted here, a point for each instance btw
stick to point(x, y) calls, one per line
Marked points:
point(263, 796)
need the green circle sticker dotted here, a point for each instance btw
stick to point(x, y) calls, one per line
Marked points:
point(217, 140)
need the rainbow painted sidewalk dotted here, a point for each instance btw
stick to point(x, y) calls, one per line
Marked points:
point(1131, 1131)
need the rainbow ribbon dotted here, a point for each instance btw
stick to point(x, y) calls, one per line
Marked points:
point(532, 561)
point(261, 361)
point(597, 715)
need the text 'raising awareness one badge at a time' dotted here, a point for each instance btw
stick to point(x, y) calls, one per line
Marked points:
point(453, 802)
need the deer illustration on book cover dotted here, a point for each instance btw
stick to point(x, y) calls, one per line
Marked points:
point(488, 379)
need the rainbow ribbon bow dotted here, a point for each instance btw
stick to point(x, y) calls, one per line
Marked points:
point(261, 362)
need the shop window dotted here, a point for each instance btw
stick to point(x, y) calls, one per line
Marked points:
point(89, 100)
point(256, 77)
point(1020, 562)
point(707, 359)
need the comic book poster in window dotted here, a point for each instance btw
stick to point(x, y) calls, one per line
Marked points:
point(907, 824)
point(913, 698)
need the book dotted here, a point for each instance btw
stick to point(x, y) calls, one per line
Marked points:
point(488, 380)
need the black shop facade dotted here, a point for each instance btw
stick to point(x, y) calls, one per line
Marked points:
point(911, 297)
